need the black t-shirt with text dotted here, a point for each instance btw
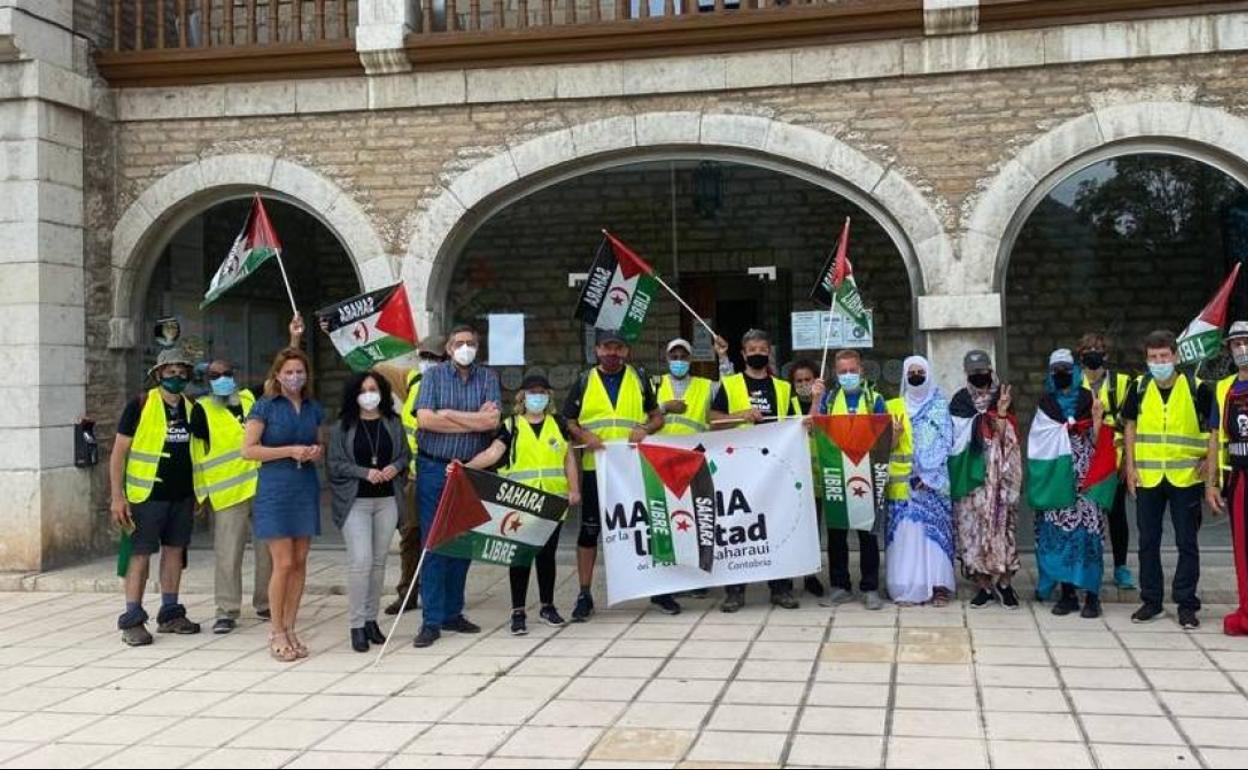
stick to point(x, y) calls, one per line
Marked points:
point(762, 397)
point(173, 472)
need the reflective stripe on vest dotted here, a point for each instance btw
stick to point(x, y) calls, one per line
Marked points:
point(147, 447)
point(221, 473)
point(410, 425)
point(739, 396)
point(538, 460)
point(866, 402)
point(901, 461)
point(697, 400)
point(1169, 443)
point(1224, 454)
point(1122, 383)
point(608, 422)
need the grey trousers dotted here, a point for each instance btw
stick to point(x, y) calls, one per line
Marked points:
point(368, 530)
point(231, 528)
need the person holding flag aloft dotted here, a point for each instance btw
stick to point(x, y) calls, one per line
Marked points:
point(611, 402)
point(1226, 488)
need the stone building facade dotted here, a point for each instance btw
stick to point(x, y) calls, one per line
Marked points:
point(943, 138)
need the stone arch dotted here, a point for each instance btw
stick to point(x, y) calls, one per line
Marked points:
point(454, 211)
point(186, 191)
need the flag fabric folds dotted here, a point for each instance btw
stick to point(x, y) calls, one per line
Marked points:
point(371, 327)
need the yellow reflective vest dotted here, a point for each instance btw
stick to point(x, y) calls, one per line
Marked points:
point(1224, 455)
point(221, 473)
point(606, 421)
point(147, 447)
point(739, 396)
point(1169, 442)
point(697, 400)
point(537, 458)
point(410, 425)
point(1112, 400)
point(901, 461)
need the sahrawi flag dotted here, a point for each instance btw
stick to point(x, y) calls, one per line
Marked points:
point(1202, 339)
point(1051, 465)
point(967, 469)
point(371, 327)
point(851, 463)
point(486, 517)
point(255, 244)
point(619, 290)
point(836, 286)
point(680, 504)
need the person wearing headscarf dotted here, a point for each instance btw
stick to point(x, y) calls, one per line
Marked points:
point(920, 523)
point(986, 479)
point(1070, 529)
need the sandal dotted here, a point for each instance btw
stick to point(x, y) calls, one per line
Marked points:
point(282, 651)
point(301, 649)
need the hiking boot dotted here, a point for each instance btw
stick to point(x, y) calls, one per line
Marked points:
point(1188, 619)
point(426, 637)
point(519, 623)
point(224, 626)
point(872, 600)
point(551, 616)
point(1147, 613)
point(785, 600)
point(177, 625)
point(373, 632)
point(1009, 597)
point(666, 604)
point(584, 607)
point(136, 636)
point(1091, 607)
point(359, 642)
point(1068, 603)
point(461, 625)
point(983, 599)
point(814, 586)
point(1123, 578)
point(839, 596)
point(733, 601)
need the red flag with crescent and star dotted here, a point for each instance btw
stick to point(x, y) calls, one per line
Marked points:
point(680, 503)
point(851, 464)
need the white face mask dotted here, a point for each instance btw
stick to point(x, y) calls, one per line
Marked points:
point(368, 401)
point(464, 355)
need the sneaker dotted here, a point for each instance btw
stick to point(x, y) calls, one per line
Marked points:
point(666, 604)
point(785, 600)
point(1147, 613)
point(1123, 578)
point(551, 616)
point(733, 601)
point(223, 626)
point(519, 623)
point(136, 636)
point(179, 625)
point(1188, 619)
point(1091, 607)
point(584, 607)
point(1009, 597)
point(426, 637)
point(983, 599)
point(839, 596)
point(872, 600)
point(264, 614)
point(814, 586)
point(1067, 604)
point(462, 625)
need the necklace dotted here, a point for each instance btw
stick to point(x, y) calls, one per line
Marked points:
point(373, 439)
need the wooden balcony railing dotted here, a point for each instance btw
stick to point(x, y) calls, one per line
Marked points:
point(144, 25)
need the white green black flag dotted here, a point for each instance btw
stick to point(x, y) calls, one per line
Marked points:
point(619, 290)
point(371, 327)
point(1202, 339)
point(252, 248)
point(836, 287)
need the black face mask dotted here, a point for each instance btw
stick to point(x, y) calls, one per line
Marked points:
point(916, 380)
point(981, 379)
point(757, 361)
point(1063, 380)
point(1093, 359)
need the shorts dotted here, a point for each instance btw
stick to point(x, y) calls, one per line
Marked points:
point(591, 513)
point(162, 522)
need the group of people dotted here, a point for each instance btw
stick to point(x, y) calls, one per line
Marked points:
point(251, 454)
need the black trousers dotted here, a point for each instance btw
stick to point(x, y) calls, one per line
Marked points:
point(545, 564)
point(838, 560)
point(1185, 515)
point(1119, 532)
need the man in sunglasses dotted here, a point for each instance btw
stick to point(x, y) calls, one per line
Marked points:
point(227, 481)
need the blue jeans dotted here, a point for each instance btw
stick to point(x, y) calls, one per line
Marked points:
point(443, 578)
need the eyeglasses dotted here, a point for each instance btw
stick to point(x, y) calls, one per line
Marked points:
point(219, 375)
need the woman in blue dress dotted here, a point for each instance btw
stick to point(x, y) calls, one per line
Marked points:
point(282, 433)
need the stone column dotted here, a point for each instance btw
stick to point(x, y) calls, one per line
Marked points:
point(955, 324)
point(44, 511)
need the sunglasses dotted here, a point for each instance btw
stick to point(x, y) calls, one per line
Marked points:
point(219, 375)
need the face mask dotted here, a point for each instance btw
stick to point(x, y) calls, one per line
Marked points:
point(536, 403)
point(803, 389)
point(679, 369)
point(1161, 372)
point(916, 380)
point(223, 386)
point(850, 381)
point(757, 361)
point(981, 379)
point(368, 401)
point(293, 382)
point(464, 355)
point(1241, 357)
point(426, 364)
point(1093, 359)
point(1063, 380)
point(174, 384)
point(611, 363)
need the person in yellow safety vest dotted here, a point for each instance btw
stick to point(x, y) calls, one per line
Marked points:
point(532, 445)
point(432, 351)
point(684, 400)
point(225, 479)
point(611, 402)
point(852, 395)
point(153, 495)
point(1226, 489)
point(749, 398)
point(1111, 388)
point(802, 375)
point(1166, 442)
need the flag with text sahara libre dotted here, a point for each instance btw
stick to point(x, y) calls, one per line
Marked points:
point(486, 517)
point(1051, 476)
point(680, 505)
point(1202, 339)
point(619, 290)
point(254, 245)
point(371, 327)
point(851, 464)
point(836, 287)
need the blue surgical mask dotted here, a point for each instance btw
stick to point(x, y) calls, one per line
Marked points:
point(679, 369)
point(850, 381)
point(1161, 372)
point(223, 386)
point(536, 403)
